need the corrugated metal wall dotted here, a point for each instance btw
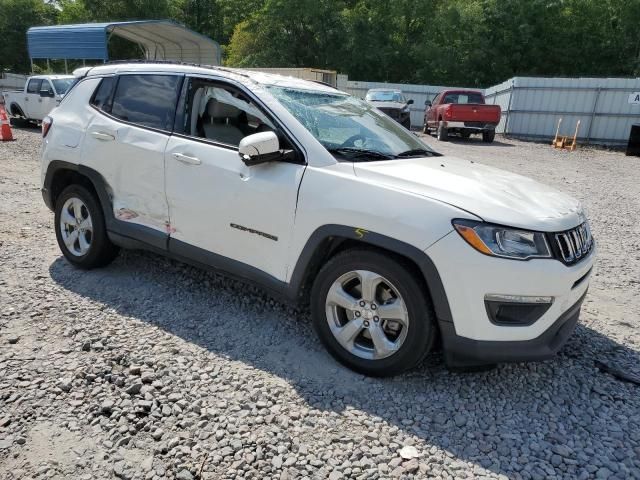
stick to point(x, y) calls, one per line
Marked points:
point(532, 107)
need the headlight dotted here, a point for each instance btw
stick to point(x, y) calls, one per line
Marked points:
point(405, 109)
point(503, 242)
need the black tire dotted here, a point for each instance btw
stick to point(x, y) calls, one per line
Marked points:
point(407, 124)
point(488, 136)
point(101, 251)
point(425, 128)
point(422, 329)
point(443, 132)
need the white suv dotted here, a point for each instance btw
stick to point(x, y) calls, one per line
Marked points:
point(323, 200)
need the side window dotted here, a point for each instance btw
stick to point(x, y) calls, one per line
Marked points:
point(34, 85)
point(102, 96)
point(148, 100)
point(222, 114)
point(46, 87)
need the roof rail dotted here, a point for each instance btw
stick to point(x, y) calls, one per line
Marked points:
point(175, 62)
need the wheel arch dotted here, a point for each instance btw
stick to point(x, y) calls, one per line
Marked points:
point(61, 174)
point(14, 107)
point(328, 240)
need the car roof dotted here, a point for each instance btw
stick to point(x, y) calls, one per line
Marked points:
point(237, 74)
point(463, 90)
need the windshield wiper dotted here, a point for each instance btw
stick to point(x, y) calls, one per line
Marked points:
point(419, 152)
point(352, 153)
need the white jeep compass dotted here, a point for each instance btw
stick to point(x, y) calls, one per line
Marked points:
point(323, 200)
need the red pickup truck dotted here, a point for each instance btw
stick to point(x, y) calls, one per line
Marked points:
point(463, 112)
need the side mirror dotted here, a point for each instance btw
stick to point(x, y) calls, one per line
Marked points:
point(410, 101)
point(47, 94)
point(427, 103)
point(259, 148)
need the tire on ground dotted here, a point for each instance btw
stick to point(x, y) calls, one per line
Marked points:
point(101, 251)
point(422, 329)
point(443, 132)
point(488, 136)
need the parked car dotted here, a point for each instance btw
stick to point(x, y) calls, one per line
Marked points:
point(323, 200)
point(461, 112)
point(40, 95)
point(393, 103)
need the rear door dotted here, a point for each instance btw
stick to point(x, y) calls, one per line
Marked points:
point(125, 142)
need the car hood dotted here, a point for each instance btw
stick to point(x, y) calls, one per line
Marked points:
point(395, 105)
point(495, 195)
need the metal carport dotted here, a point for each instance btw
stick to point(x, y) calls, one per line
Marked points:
point(159, 39)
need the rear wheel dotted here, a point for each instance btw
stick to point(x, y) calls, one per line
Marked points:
point(371, 313)
point(425, 129)
point(80, 229)
point(488, 136)
point(443, 132)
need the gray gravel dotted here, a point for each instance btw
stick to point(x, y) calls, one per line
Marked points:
point(150, 369)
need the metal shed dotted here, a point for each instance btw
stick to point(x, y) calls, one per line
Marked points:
point(159, 39)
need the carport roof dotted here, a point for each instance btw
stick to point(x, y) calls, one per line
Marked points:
point(160, 40)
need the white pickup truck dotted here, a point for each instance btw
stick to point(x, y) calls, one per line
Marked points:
point(40, 95)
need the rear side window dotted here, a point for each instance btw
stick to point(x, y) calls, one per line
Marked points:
point(102, 97)
point(34, 86)
point(148, 100)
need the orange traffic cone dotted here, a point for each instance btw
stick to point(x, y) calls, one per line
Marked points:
point(5, 126)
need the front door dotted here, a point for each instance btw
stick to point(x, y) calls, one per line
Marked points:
point(32, 100)
point(217, 205)
point(125, 141)
point(47, 100)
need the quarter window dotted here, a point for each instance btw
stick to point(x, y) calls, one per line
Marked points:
point(34, 85)
point(102, 98)
point(148, 100)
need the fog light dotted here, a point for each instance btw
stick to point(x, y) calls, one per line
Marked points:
point(516, 310)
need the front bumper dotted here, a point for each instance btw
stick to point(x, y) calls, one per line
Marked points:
point(460, 352)
point(471, 337)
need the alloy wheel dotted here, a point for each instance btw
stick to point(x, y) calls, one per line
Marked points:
point(367, 315)
point(76, 226)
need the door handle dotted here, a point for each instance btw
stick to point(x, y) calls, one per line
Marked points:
point(107, 137)
point(186, 159)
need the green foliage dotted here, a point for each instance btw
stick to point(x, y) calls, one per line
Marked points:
point(451, 42)
point(16, 16)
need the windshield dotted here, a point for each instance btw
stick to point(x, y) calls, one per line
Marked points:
point(342, 123)
point(385, 96)
point(62, 85)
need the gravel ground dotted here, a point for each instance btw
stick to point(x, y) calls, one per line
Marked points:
point(152, 369)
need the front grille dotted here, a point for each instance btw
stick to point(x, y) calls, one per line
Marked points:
point(574, 244)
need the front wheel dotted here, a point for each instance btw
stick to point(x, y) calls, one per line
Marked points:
point(80, 229)
point(371, 313)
